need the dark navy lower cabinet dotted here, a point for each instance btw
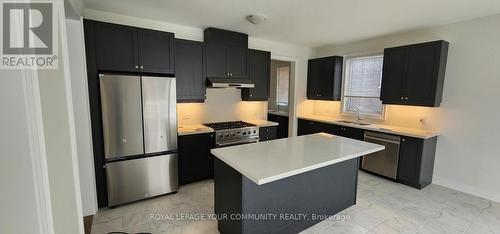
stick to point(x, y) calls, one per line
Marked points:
point(282, 131)
point(310, 127)
point(267, 133)
point(313, 194)
point(195, 159)
point(416, 161)
point(354, 133)
point(416, 155)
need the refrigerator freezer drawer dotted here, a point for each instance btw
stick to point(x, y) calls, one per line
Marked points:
point(141, 178)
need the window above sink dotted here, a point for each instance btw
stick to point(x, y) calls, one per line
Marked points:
point(362, 83)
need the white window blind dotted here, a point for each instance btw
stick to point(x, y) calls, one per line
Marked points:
point(283, 81)
point(362, 85)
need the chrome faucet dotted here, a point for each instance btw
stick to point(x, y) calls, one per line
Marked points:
point(357, 111)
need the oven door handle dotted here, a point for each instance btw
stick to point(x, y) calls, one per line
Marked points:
point(251, 140)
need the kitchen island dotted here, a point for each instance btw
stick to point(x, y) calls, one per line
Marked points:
point(286, 185)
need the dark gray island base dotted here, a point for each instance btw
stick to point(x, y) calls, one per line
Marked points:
point(320, 192)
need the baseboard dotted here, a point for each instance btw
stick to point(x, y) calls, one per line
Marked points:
point(87, 223)
point(466, 189)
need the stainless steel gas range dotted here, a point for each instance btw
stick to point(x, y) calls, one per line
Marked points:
point(234, 133)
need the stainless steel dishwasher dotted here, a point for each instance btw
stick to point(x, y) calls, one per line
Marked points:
point(383, 162)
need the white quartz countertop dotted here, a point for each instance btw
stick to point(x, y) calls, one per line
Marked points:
point(193, 129)
point(269, 161)
point(410, 132)
point(262, 123)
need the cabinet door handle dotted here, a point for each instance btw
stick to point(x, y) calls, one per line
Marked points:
point(142, 67)
point(402, 98)
point(136, 66)
point(406, 98)
point(403, 140)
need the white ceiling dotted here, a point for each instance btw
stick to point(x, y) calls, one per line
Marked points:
point(305, 22)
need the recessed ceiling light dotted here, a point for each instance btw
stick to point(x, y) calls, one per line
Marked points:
point(256, 18)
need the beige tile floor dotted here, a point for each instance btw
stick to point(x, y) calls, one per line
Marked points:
point(382, 207)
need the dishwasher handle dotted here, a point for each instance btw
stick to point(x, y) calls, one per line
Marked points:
point(382, 139)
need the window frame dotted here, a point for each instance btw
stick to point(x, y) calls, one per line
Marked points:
point(345, 76)
point(278, 86)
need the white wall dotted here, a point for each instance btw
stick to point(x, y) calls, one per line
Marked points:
point(60, 142)
point(58, 148)
point(79, 89)
point(220, 105)
point(37, 168)
point(467, 152)
point(19, 195)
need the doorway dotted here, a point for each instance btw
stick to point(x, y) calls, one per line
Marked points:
point(279, 95)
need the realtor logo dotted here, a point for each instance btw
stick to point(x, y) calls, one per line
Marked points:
point(29, 35)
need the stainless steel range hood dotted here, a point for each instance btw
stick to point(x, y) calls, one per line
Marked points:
point(214, 82)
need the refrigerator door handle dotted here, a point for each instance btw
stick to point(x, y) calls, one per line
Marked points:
point(173, 115)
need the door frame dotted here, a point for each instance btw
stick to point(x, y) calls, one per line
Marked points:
point(292, 93)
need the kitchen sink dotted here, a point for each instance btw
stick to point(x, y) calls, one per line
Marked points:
point(352, 122)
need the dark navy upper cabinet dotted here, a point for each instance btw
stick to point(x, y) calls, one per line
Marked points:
point(414, 74)
point(259, 73)
point(215, 60)
point(128, 49)
point(156, 51)
point(226, 53)
point(189, 74)
point(324, 78)
point(116, 47)
point(394, 69)
point(237, 61)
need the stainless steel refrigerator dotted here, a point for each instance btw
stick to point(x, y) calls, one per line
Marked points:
point(140, 136)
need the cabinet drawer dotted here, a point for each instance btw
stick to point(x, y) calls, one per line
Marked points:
point(267, 133)
point(349, 132)
point(311, 127)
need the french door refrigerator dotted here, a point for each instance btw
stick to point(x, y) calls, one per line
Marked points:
point(140, 136)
